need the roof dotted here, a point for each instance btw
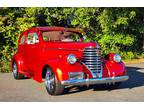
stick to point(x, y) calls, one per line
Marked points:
point(59, 29)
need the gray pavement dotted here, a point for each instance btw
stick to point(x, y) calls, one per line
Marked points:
point(28, 90)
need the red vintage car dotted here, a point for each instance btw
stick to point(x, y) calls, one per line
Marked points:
point(59, 57)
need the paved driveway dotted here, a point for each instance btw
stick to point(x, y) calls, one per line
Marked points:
point(29, 90)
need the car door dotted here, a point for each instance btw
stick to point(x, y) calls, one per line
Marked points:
point(21, 50)
point(32, 50)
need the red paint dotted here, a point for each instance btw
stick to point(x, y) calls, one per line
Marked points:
point(32, 58)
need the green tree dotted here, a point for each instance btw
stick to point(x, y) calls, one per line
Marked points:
point(115, 29)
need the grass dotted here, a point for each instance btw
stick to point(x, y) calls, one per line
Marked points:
point(134, 61)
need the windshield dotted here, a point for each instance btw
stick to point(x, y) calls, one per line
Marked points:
point(63, 36)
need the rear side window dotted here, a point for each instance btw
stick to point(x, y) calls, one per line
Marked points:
point(22, 40)
point(32, 38)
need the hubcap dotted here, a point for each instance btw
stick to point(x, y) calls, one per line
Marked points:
point(49, 81)
point(14, 69)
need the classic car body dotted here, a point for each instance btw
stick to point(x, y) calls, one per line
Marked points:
point(53, 55)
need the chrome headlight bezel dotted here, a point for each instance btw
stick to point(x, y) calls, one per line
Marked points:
point(117, 58)
point(76, 75)
point(71, 59)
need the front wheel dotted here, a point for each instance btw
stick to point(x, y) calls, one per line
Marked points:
point(53, 86)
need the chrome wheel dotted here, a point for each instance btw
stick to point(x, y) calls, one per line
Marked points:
point(53, 86)
point(50, 80)
point(15, 71)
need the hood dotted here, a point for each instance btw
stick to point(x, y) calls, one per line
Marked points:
point(77, 46)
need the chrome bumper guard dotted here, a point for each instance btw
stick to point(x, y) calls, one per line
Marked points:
point(91, 81)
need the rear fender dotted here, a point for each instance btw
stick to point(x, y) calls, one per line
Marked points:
point(19, 61)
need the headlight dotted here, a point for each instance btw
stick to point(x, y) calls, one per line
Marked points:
point(71, 59)
point(76, 75)
point(117, 58)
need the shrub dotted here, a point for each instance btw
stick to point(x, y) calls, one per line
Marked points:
point(4, 65)
point(127, 55)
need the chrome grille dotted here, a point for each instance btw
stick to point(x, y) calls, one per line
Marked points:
point(92, 60)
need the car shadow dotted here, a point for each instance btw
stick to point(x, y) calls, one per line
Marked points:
point(21, 77)
point(136, 79)
point(24, 78)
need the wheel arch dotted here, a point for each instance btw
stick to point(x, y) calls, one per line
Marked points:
point(19, 61)
point(55, 70)
point(12, 62)
point(44, 70)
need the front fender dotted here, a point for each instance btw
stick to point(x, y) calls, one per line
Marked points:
point(112, 69)
point(62, 69)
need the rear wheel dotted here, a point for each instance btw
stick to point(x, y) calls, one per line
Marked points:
point(53, 86)
point(15, 72)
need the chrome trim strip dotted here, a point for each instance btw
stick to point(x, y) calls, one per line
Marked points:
point(93, 65)
point(64, 49)
point(92, 61)
point(95, 80)
point(94, 68)
point(94, 75)
point(90, 57)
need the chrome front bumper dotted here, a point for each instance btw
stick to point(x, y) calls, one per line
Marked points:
point(91, 81)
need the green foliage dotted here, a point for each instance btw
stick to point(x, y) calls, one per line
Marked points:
point(118, 30)
point(12, 24)
point(4, 65)
point(128, 55)
point(142, 55)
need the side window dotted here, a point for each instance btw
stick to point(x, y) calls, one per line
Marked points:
point(32, 38)
point(51, 36)
point(22, 40)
